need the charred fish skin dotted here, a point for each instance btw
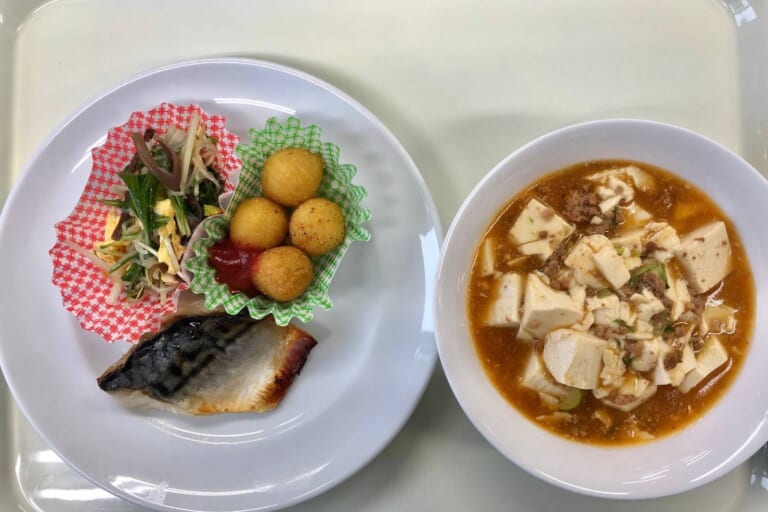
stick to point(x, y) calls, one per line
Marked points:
point(214, 363)
point(165, 363)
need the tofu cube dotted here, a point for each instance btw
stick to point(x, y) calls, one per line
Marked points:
point(639, 178)
point(646, 305)
point(614, 192)
point(606, 205)
point(574, 358)
point(487, 257)
point(631, 242)
point(634, 385)
point(586, 322)
point(612, 266)
point(664, 237)
point(537, 379)
point(677, 292)
point(580, 260)
point(543, 248)
point(545, 309)
point(612, 373)
point(673, 376)
point(578, 294)
point(649, 355)
point(629, 246)
point(504, 308)
point(709, 359)
point(539, 223)
point(643, 331)
point(705, 256)
point(606, 310)
point(629, 402)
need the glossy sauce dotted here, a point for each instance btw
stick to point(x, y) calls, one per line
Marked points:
point(233, 266)
point(669, 410)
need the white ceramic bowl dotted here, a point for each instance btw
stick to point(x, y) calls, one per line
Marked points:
point(727, 434)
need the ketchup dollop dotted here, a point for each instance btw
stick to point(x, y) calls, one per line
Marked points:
point(233, 266)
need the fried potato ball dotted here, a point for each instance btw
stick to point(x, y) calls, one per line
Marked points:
point(317, 226)
point(258, 223)
point(291, 176)
point(282, 273)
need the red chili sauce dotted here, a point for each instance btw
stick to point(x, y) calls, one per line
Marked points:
point(233, 266)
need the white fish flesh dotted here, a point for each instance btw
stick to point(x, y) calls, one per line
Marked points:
point(213, 363)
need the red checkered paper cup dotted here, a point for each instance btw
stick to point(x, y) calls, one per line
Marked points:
point(83, 285)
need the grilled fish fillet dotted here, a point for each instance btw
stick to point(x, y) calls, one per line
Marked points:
point(213, 363)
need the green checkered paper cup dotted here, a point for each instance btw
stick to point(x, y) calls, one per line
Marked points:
point(336, 186)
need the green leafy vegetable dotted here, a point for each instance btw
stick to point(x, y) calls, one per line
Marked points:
point(143, 191)
point(209, 192)
point(160, 157)
point(181, 215)
point(604, 292)
point(117, 203)
point(131, 256)
point(133, 280)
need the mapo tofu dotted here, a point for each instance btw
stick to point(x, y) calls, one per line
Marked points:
point(611, 302)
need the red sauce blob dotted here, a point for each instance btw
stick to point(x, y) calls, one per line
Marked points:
point(233, 266)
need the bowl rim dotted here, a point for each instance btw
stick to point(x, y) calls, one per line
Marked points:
point(758, 437)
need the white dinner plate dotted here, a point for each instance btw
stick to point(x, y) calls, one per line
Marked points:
point(376, 346)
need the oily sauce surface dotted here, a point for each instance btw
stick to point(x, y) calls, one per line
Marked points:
point(682, 205)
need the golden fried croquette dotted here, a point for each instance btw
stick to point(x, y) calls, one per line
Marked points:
point(317, 226)
point(291, 176)
point(282, 273)
point(258, 223)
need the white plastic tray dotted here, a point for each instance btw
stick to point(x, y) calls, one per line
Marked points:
point(461, 83)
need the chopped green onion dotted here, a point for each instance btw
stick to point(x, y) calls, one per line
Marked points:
point(123, 261)
point(571, 400)
point(653, 266)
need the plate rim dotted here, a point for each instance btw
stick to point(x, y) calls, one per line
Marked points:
point(412, 169)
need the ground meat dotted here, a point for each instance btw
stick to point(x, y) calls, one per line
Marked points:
point(634, 349)
point(625, 292)
point(608, 227)
point(661, 325)
point(654, 284)
point(680, 329)
point(561, 281)
point(689, 317)
point(553, 265)
point(696, 342)
point(673, 357)
point(598, 229)
point(604, 331)
point(697, 304)
point(650, 248)
point(581, 205)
